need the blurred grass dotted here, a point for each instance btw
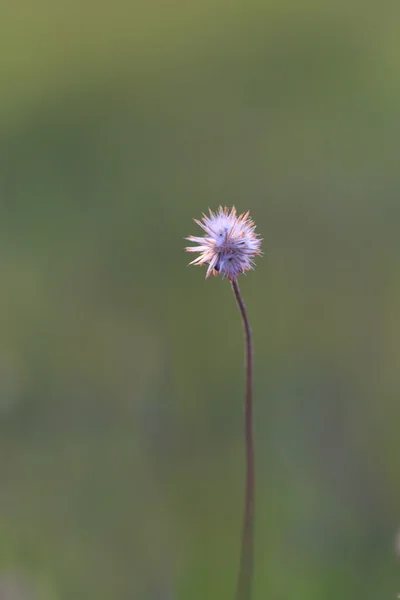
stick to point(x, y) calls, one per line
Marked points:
point(121, 370)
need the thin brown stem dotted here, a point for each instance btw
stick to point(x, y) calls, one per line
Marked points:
point(245, 576)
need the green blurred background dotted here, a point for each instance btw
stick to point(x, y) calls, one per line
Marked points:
point(121, 369)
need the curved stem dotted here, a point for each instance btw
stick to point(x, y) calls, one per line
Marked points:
point(245, 577)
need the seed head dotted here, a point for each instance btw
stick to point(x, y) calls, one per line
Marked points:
point(229, 244)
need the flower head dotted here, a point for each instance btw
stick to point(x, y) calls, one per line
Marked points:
point(229, 244)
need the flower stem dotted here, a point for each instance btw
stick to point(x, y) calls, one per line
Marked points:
point(245, 576)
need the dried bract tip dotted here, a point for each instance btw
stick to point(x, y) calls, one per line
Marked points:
point(229, 243)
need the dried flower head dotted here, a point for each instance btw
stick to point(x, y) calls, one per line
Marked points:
point(229, 245)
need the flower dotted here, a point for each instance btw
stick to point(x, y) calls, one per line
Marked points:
point(229, 245)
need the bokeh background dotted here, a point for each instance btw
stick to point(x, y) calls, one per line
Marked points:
point(121, 378)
